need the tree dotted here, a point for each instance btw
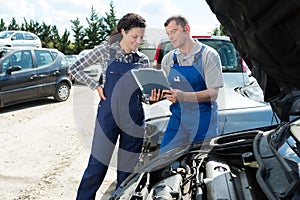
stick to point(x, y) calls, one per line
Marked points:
point(65, 42)
point(33, 27)
point(79, 35)
point(221, 31)
point(98, 30)
point(2, 25)
point(55, 37)
point(111, 19)
point(93, 30)
point(13, 25)
point(45, 35)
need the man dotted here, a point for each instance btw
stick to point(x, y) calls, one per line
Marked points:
point(195, 74)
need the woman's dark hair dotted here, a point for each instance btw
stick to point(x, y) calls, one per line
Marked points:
point(127, 22)
point(130, 21)
point(179, 19)
point(115, 36)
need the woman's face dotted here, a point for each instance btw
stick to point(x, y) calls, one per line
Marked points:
point(132, 39)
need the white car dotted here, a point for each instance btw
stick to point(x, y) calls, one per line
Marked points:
point(19, 38)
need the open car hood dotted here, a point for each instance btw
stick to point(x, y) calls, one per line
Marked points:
point(267, 35)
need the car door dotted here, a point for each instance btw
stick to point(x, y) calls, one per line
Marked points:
point(17, 39)
point(20, 84)
point(29, 40)
point(48, 71)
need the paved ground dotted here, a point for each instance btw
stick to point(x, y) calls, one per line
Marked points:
point(45, 147)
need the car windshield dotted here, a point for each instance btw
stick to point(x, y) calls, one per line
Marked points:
point(5, 34)
point(230, 58)
point(227, 52)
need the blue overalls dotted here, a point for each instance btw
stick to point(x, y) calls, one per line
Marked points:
point(190, 121)
point(120, 115)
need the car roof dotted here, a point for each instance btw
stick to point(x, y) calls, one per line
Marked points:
point(9, 50)
point(28, 48)
point(213, 37)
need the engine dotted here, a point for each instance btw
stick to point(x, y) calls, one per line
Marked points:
point(198, 177)
point(259, 164)
point(223, 168)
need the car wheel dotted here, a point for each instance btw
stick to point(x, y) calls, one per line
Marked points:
point(62, 92)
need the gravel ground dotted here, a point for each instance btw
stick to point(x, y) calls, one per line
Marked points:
point(45, 147)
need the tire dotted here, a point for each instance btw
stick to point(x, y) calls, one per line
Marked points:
point(62, 92)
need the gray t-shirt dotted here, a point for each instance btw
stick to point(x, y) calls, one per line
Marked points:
point(211, 64)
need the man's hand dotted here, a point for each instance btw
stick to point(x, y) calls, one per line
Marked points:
point(100, 93)
point(156, 95)
point(173, 95)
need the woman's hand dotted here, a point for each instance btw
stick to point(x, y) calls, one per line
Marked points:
point(100, 93)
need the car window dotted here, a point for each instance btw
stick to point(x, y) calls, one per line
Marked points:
point(164, 49)
point(43, 57)
point(5, 34)
point(20, 58)
point(54, 54)
point(64, 62)
point(6, 64)
point(26, 60)
point(18, 36)
point(28, 36)
point(15, 59)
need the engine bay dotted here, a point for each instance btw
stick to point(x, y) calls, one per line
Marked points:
point(233, 166)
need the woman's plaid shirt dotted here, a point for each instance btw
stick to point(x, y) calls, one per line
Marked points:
point(104, 54)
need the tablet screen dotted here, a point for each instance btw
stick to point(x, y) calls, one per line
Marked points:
point(149, 78)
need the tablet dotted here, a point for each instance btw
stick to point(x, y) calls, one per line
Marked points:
point(150, 78)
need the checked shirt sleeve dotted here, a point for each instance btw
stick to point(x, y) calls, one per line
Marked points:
point(98, 54)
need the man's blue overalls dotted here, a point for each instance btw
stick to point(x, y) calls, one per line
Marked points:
point(190, 121)
point(120, 115)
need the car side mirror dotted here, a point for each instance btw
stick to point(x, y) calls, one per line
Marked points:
point(13, 69)
point(13, 38)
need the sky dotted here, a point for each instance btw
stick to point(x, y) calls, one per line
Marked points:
point(155, 12)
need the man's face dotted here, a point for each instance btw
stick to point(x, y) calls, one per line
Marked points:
point(177, 34)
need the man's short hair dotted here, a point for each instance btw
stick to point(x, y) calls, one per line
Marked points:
point(179, 19)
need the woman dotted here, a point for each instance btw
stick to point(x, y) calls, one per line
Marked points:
point(120, 113)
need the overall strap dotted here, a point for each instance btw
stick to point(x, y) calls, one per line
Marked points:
point(197, 58)
point(175, 58)
point(199, 54)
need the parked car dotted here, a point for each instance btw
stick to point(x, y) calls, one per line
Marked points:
point(19, 38)
point(93, 71)
point(230, 57)
point(260, 163)
point(32, 73)
point(71, 59)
